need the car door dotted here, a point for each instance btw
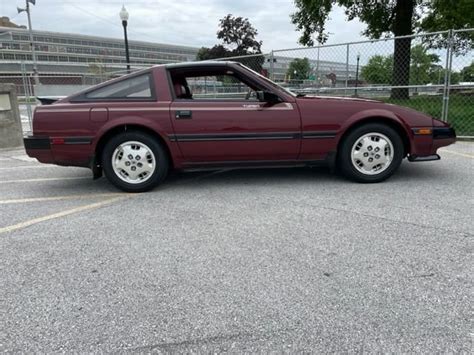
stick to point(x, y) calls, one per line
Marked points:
point(218, 119)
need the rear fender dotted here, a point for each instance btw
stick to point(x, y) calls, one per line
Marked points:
point(148, 124)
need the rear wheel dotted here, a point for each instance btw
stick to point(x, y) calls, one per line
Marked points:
point(371, 153)
point(134, 161)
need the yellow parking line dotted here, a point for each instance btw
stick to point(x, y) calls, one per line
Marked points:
point(43, 179)
point(58, 215)
point(456, 153)
point(57, 198)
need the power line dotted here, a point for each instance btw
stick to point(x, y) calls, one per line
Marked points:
point(109, 21)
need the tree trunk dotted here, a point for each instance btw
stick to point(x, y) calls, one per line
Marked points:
point(402, 26)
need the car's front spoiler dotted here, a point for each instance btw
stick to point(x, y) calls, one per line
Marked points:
point(414, 158)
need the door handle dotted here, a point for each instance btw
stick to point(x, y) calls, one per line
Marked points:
point(184, 114)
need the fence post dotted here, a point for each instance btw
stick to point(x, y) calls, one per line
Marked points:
point(26, 92)
point(347, 65)
point(447, 77)
point(272, 66)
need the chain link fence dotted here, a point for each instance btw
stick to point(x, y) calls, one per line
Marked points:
point(432, 73)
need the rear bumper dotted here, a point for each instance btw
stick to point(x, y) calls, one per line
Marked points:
point(39, 147)
point(66, 151)
point(34, 143)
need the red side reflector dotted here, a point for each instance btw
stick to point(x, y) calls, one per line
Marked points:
point(57, 141)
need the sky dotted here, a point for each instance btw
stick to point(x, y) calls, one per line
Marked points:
point(184, 22)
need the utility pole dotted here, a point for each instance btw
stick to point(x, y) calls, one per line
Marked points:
point(32, 44)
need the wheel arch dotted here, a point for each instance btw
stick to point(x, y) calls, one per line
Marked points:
point(125, 127)
point(388, 120)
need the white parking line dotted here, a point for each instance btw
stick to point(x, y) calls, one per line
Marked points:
point(58, 215)
point(44, 179)
point(456, 153)
point(58, 198)
point(29, 167)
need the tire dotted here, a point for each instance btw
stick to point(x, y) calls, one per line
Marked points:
point(371, 153)
point(134, 161)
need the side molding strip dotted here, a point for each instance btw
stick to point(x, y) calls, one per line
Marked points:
point(250, 136)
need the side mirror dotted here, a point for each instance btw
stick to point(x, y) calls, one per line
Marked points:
point(266, 96)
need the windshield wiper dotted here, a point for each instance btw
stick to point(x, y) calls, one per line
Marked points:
point(300, 95)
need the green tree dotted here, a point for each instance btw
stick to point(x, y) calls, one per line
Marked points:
point(455, 78)
point(422, 64)
point(218, 51)
point(443, 15)
point(378, 70)
point(397, 17)
point(238, 39)
point(299, 69)
point(239, 34)
point(424, 68)
point(436, 74)
point(467, 73)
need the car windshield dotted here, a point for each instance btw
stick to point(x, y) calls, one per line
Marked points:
point(268, 81)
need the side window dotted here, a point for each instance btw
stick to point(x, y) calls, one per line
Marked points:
point(219, 87)
point(138, 87)
point(213, 85)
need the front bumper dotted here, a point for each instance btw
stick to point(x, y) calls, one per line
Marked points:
point(427, 141)
point(444, 133)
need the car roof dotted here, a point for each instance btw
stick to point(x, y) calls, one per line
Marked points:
point(204, 63)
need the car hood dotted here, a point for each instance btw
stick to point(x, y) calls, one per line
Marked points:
point(345, 107)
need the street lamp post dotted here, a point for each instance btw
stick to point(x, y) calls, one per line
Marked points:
point(32, 44)
point(124, 18)
point(357, 74)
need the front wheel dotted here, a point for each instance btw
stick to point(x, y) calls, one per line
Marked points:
point(134, 161)
point(371, 153)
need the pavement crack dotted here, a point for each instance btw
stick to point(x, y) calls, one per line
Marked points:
point(217, 340)
point(383, 218)
point(424, 275)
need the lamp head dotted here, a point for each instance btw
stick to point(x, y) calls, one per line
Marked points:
point(123, 14)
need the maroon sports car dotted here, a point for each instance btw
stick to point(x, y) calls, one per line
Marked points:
point(214, 115)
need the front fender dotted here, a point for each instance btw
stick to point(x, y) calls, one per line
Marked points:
point(370, 115)
point(377, 114)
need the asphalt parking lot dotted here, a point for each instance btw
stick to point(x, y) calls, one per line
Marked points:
point(241, 261)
